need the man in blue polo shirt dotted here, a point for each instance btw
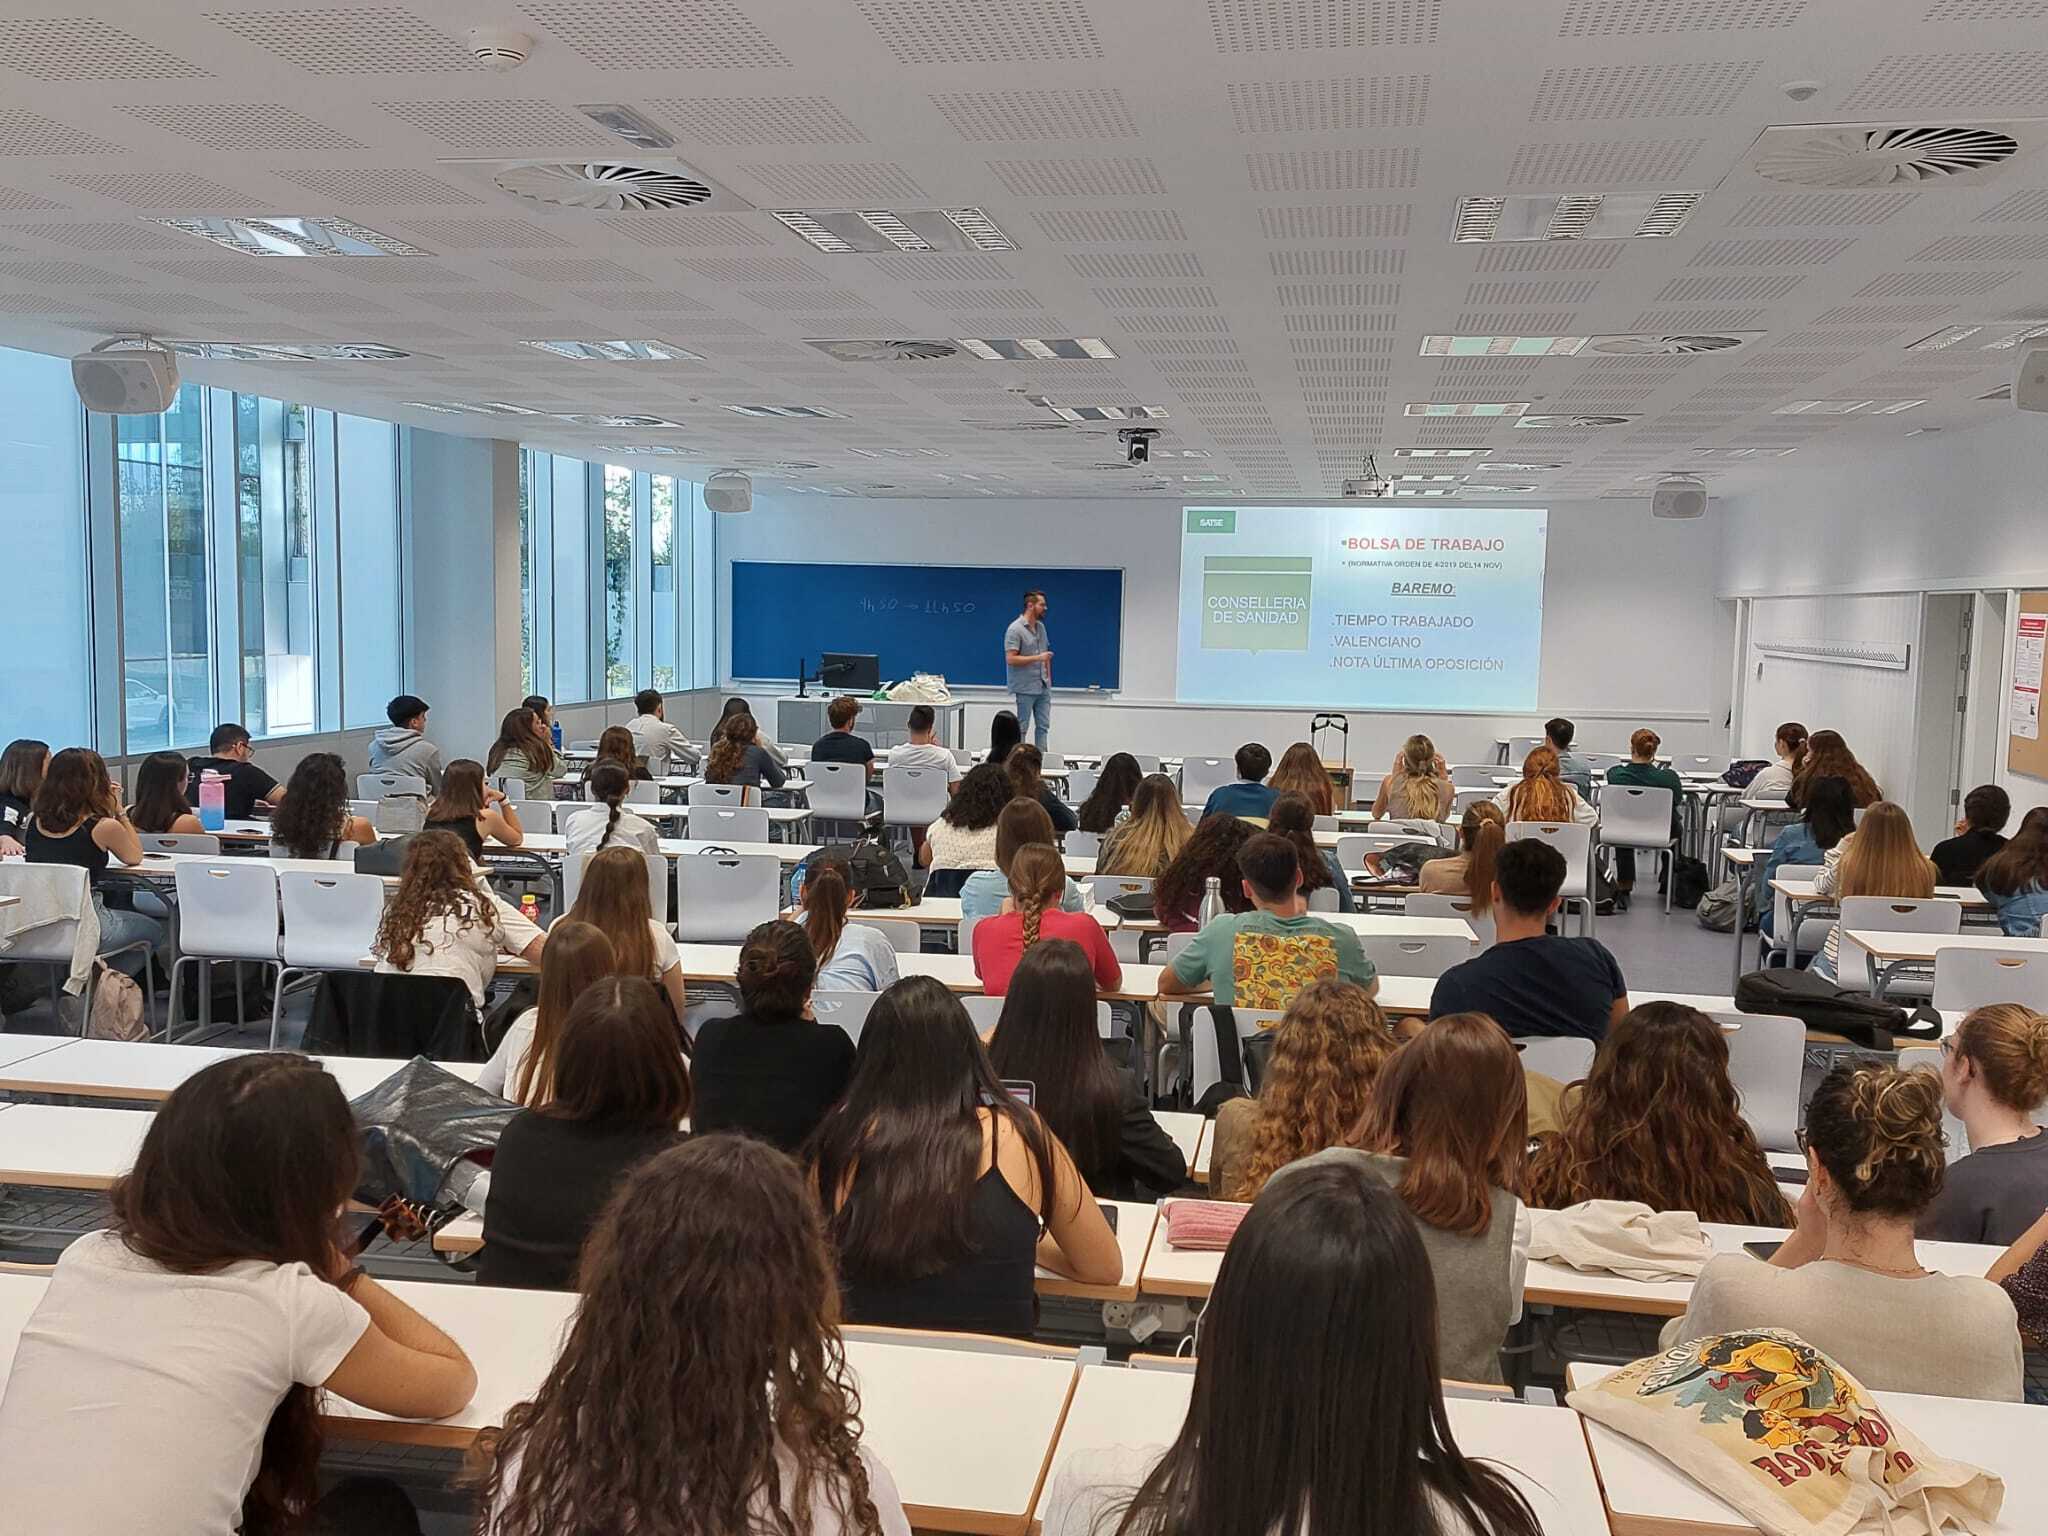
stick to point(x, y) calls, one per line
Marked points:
point(1029, 657)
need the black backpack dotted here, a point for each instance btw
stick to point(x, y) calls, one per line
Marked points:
point(878, 877)
point(1821, 1004)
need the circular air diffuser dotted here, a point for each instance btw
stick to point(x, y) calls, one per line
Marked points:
point(1883, 157)
point(605, 186)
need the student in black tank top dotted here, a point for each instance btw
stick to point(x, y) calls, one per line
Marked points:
point(77, 819)
point(937, 1181)
point(472, 810)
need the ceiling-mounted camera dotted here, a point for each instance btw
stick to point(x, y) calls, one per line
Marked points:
point(1137, 443)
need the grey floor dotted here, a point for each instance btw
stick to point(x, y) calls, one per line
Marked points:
point(1670, 954)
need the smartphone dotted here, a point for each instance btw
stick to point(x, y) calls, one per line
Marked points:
point(1764, 1251)
point(1108, 1213)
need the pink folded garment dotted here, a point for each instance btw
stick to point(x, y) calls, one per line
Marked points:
point(1203, 1226)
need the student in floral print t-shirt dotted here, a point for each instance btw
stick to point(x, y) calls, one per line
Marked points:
point(1262, 958)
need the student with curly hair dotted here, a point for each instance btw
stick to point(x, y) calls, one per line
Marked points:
point(443, 921)
point(1827, 756)
point(964, 836)
point(314, 821)
point(738, 758)
point(1211, 851)
point(716, 1401)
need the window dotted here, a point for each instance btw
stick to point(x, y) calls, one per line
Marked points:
point(45, 620)
point(526, 569)
point(371, 533)
point(663, 610)
point(166, 621)
point(618, 581)
point(274, 563)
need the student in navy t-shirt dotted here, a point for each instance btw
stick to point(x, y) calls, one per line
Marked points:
point(1532, 982)
point(1250, 795)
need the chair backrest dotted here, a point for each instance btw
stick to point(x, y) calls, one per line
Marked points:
point(1569, 838)
point(1207, 1065)
point(1890, 914)
point(912, 797)
point(330, 921)
point(1766, 1054)
point(1201, 775)
point(1352, 847)
point(1974, 978)
point(227, 910)
point(179, 842)
point(1175, 943)
point(1106, 888)
point(1081, 784)
point(1324, 899)
point(1601, 760)
point(583, 746)
point(1415, 955)
point(722, 897)
point(1635, 815)
point(1519, 747)
point(1564, 1057)
point(643, 792)
point(657, 880)
point(64, 885)
point(1053, 762)
point(722, 824)
point(849, 1010)
point(1462, 800)
point(1422, 905)
point(1475, 776)
point(534, 815)
point(966, 940)
point(1700, 762)
point(1324, 824)
point(1147, 762)
point(986, 1012)
point(716, 794)
point(962, 756)
point(839, 791)
point(905, 937)
point(379, 786)
point(1081, 845)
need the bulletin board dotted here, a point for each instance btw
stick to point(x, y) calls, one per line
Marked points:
point(2026, 731)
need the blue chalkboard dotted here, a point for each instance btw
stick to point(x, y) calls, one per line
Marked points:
point(923, 618)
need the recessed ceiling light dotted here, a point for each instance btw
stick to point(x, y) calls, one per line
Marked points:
point(1440, 453)
point(1033, 349)
point(1565, 421)
point(666, 450)
point(1599, 216)
point(1466, 408)
point(873, 231)
point(1499, 467)
point(1502, 346)
point(1742, 453)
point(1107, 412)
point(1425, 479)
point(786, 410)
point(1990, 336)
point(474, 408)
point(1416, 490)
point(1846, 407)
point(608, 419)
point(282, 235)
point(274, 351)
point(618, 351)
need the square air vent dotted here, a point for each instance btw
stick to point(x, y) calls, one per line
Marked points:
point(618, 351)
point(1590, 216)
point(1846, 407)
point(1465, 408)
point(879, 231)
point(1983, 336)
point(786, 410)
point(1852, 157)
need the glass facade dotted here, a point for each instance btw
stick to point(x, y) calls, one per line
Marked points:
point(167, 677)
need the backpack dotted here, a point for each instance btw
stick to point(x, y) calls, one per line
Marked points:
point(1740, 773)
point(878, 877)
point(1688, 881)
point(116, 1006)
point(1821, 1004)
point(1717, 908)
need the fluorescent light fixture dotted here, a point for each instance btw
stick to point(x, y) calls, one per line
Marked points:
point(787, 410)
point(1466, 408)
point(1440, 453)
point(283, 235)
point(1033, 349)
point(1501, 467)
point(898, 453)
point(474, 408)
point(1600, 216)
point(1987, 336)
point(884, 231)
point(274, 351)
point(1425, 479)
point(1416, 490)
point(1846, 407)
point(1502, 346)
point(1498, 490)
point(666, 450)
point(618, 351)
point(1743, 453)
point(1107, 412)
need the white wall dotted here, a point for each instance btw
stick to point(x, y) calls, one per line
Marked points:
point(1631, 633)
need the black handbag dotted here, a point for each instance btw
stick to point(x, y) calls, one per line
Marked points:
point(1834, 1009)
point(418, 1125)
point(384, 857)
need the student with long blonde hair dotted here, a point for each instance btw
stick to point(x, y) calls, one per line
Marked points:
point(1880, 858)
point(1469, 872)
point(1037, 879)
point(1301, 772)
point(522, 1068)
point(1418, 788)
point(1153, 834)
point(614, 898)
point(1542, 795)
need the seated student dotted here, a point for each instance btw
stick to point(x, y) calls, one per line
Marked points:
point(1532, 982)
point(522, 1068)
point(1318, 1083)
point(444, 921)
point(615, 898)
point(1773, 781)
point(853, 957)
point(314, 821)
point(542, 710)
point(661, 746)
point(964, 836)
point(2015, 880)
point(196, 1333)
point(1446, 1132)
point(160, 805)
point(1210, 853)
point(1033, 913)
point(1418, 788)
point(1300, 771)
point(402, 746)
point(1827, 756)
point(473, 810)
point(739, 706)
point(1979, 836)
point(1003, 734)
point(1048, 1037)
point(987, 892)
point(923, 749)
point(1111, 797)
point(608, 823)
point(1879, 858)
point(1542, 795)
point(524, 751)
point(1994, 1077)
point(1250, 795)
point(1151, 836)
point(21, 773)
point(1828, 816)
point(761, 1432)
point(1658, 1121)
point(1642, 772)
point(1024, 765)
point(771, 1071)
point(76, 818)
point(737, 757)
point(1572, 768)
point(248, 786)
point(1263, 958)
point(620, 1093)
point(1292, 818)
point(1848, 1280)
point(840, 745)
point(1345, 1418)
point(1482, 833)
point(936, 1182)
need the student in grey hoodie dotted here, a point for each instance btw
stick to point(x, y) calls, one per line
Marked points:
point(402, 746)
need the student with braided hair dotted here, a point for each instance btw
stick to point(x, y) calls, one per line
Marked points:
point(1037, 879)
point(608, 824)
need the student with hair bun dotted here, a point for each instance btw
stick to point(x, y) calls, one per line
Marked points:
point(1994, 1075)
point(852, 957)
point(608, 824)
point(772, 1071)
point(1848, 1280)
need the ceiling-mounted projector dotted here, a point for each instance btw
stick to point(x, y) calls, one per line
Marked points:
point(139, 382)
point(1681, 497)
point(1370, 485)
point(729, 491)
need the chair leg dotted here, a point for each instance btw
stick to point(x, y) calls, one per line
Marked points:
point(277, 1003)
point(177, 995)
point(1671, 879)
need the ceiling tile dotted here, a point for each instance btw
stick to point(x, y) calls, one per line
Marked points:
point(633, 35)
point(59, 48)
point(982, 31)
point(358, 40)
point(1269, 26)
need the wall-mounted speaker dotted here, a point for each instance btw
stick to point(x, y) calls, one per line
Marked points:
point(140, 383)
point(729, 491)
point(1680, 497)
point(2030, 389)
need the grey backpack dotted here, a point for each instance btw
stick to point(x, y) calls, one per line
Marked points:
point(1717, 908)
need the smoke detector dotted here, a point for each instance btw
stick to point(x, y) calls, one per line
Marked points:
point(886, 351)
point(500, 48)
point(1857, 156)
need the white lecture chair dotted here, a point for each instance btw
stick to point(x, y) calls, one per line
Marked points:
point(1206, 1062)
point(1053, 762)
point(962, 756)
point(985, 1012)
point(1974, 978)
point(839, 792)
point(1418, 955)
point(226, 911)
point(1081, 783)
point(1201, 776)
point(722, 897)
point(1325, 824)
point(583, 746)
point(1475, 776)
point(904, 934)
point(1462, 800)
point(701, 793)
point(180, 842)
point(68, 886)
point(966, 938)
point(1427, 905)
point(1637, 817)
point(912, 797)
point(1081, 845)
point(1352, 847)
point(401, 800)
point(1519, 748)
point(717, 824)
point(849, 1010)
point(1766, 1054)
point(1599, 762)
point(1564, 1057)
point(1147, 763)
point(330, 924)
point(534, 815)
point(1575, 842)
point(657, 881)
point(1789, 939)
point(1325, 899)
point(1892, 914)
point(1105, 888)
point(367, 809)
point(1700, 762)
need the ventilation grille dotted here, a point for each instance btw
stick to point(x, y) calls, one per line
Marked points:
point(1859, 156)
point(1665, 346)
point(609, 186)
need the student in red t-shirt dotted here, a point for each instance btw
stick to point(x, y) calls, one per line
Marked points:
point(1037, 880)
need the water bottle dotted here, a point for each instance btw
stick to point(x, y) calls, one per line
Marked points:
point(555, 730)
point(1212, 901)
point(213, 800)
point(529, 908)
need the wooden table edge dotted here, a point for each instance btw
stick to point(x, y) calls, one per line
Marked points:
point(57, 1180)
point(1059, 1429)
point(1579, 1301)
point(76, 1090)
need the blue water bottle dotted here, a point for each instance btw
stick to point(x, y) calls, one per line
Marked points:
point(555, 730)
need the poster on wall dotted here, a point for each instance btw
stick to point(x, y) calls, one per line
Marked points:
point(2026, 676)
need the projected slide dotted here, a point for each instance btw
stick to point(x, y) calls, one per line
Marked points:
point(1379, 605)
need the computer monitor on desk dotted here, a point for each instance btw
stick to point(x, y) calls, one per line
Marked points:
point(850, 671)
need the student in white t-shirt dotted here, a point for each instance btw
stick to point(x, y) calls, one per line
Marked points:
point(923, 752)
point(522, 1068)
point(747, 1295)
point(444, 921)
point(614, 898)
point(608, 824)
point(166, 1381)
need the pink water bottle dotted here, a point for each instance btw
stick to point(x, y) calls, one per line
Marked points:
point(213, 800)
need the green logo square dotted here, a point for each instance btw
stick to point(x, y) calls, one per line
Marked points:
point(1256, 602)
point(1212, 520)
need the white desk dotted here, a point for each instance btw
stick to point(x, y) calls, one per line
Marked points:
point(164, 866)
point(1647, 1496)
point(1187, 1130)
point(63, 1147)
point(1541, 1449)
point(1803, 892)
point(555, 845)
point(1891, 953)
point(944, 912)
point(720, 962)
point(1199, 1164)
point(143, 1070)
point(1742, 860)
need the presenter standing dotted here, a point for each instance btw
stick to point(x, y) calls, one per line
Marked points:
point(1030, 662)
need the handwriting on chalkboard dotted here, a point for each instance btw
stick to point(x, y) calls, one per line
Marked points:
point(931, 605)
